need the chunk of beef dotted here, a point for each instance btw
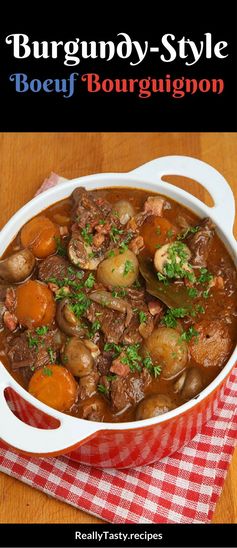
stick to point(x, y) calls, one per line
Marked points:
point(28, 349)
point(126, 391)
point(88, 209)
point(200, 243)
point(92, 238)
point(53, 267)
point(112, 322)
point(213, 345)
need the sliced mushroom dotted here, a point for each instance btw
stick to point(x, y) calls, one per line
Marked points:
point(105, 298)
point(18, 267)
point(67, 321)
point(189, 383)
point(81, 254)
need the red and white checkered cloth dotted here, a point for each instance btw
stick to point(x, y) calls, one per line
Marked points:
point(182, 488)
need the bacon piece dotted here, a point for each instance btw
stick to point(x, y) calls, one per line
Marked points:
point(154, 205)
point(10, 320)
point(155, 308)
point(119, 368)
point(10, 300)
point(136, 244)
point(98, 240)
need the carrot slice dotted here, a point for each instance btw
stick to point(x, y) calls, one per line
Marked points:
point(40, 236)
point(157, 231)
point(55, 386)
point(35, 305)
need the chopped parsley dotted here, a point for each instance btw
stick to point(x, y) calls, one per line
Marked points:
point(189, 230)
point(158, 230)
point(47, 371)
point(154, 369)
point(51, 355)
point(119, 292)
point(33, 342)
point(102, 389)
point(177, 265)
point(206, 294)
point(116, 348)
point(205, 276)
point(136, 284)
point(162, 278)
point(61, 250)
point(90, 281)
point(132, 358)
point(142, 316)
point(102, 222)
point(80, 304)
point(42, 330)
point(95, 326)
point(115, 233)
point(86, 235)
point(111, 377)
point(111, 253)
point(128, 267)
point(192, 292)
point(170, 317)
point(189, 334)
point(170, 233)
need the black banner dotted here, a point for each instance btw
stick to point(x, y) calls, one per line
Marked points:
point(170, 67)
point(104, 535)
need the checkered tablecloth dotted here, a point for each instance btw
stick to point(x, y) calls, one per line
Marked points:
point(182, 488)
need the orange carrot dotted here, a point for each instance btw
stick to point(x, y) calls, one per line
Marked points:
point(35, 305)
point(157, 231)
point(40, 235)
point(55, 386)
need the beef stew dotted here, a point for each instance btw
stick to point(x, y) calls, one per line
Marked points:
point(116, 305)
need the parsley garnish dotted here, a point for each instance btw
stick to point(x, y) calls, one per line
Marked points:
point(128, 267)
point(51, 355)
point(120, 292)
point(47, 371)
point(170, 317)
point(90, 281)
point(86, 235)
point(192, 292)
point(102, 388)
point(42, 330)
point(142, 316)
point(95, 326)
point(111, 377)
point(116, 348)
point(114, 234)
point(61, 250)
point(189, 334)
point(80, 304)
point(178, 257)
point(132, 358)
point(189, 230)
point(206, 294)
point(205, 276)
point(33, 342)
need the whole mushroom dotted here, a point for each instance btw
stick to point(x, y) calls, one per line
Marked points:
point(18, 267)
